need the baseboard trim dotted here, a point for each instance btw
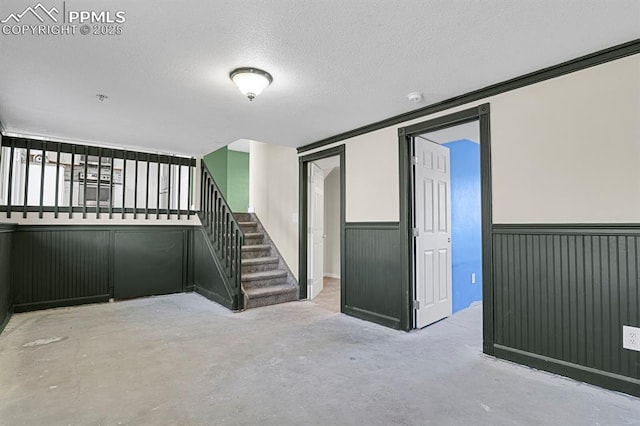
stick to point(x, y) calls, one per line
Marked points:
point(335, 276)
point(372, 316)
point(61, 303)
point(6, 319)
point(600, 378)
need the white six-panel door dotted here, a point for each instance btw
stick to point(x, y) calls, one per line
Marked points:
point(433, 240)
point(315, 223)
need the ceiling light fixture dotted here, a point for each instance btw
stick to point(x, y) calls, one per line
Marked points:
point(250, 81)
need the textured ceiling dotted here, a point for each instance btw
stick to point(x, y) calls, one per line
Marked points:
point(337, 65)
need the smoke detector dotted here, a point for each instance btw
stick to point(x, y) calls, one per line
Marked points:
point(415, 97)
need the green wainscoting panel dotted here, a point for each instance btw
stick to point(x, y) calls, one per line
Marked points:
point(60, 266)
point(148, 262)
point(208, 275)
point(6, 295)
point(68, 265)
point(372, 287)
point(562, 295)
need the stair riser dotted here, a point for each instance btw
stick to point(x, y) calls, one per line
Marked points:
point(252, 254)
point(264, 283)
point(260, 268)
point(253, 240)
point(272, 300)
point(249, 229)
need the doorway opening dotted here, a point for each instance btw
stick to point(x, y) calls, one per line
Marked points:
point(321, 227)
point(447, 222)
point(409, 217)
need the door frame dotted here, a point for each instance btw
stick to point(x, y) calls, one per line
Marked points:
point(315, 246)
point(303, 194)
point(406, 134)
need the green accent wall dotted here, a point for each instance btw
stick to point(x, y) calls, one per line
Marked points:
point(238, 181)
point(230, 170)
point(217, 162)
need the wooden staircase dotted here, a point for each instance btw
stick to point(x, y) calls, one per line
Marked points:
point(265, 277)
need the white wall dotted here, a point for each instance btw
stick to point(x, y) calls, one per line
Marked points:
point(566, 150)
point(372, 177)
point(273, 194)
point(332, 224)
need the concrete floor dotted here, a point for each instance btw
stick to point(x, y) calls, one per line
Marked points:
point(183, 360)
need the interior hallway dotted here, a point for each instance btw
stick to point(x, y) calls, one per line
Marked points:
point(183, 360)
point(329, 297)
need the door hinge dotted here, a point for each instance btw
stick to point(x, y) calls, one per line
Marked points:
point(415, 232)
point(416, 304)
point(415, 160)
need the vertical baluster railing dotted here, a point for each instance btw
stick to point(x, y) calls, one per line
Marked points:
point(220, 223)
point(223, 232)
point(229, 241)
point(216, 209)
point(225, 247)
point(234, 248)
point(213, 214)
point(203, 210)
point(210, 202)
point(205, 202)
point(203, 198)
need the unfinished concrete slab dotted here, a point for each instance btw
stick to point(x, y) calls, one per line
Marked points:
point(183, 360)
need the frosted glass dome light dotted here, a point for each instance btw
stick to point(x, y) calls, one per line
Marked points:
point(250, 81)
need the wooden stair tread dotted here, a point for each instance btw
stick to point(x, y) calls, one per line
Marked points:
point(253, 234)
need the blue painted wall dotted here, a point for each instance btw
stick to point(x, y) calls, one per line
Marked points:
point(466, 236)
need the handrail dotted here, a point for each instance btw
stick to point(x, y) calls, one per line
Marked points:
point(223, 231)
